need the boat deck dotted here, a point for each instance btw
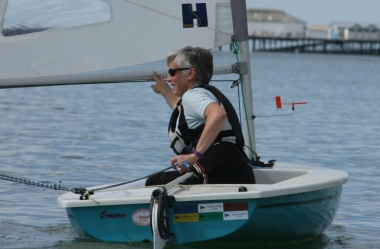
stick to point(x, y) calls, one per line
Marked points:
point(283, 179)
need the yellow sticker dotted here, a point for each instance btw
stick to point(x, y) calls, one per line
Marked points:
point(186, 217)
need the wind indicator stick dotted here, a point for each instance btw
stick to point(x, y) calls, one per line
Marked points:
point(279, 103)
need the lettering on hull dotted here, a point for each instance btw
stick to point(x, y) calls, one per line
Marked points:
point(104, 215)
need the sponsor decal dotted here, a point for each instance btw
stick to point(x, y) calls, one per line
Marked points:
point(210, 207)
point(186, 217)
point(236, 206)
point(200, 15)
point(141, 217)
point(104, 215)
point(186, 209)
point(211, 216)
point(236, 215)
point(211, 212)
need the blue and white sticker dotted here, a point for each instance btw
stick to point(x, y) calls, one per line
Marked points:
point(210, 207)
point(235, 215)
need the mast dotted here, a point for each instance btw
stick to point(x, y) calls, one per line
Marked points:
point(239, 16)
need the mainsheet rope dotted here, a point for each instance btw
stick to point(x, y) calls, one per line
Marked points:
point(37, 184)
point(73, 190)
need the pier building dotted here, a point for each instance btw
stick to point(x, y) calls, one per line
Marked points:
point(274, 23)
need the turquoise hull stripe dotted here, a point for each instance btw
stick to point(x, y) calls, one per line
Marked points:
point(299, 202)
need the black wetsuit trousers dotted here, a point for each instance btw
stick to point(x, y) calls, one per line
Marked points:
point(223, 163)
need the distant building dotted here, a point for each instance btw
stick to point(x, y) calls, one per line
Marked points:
point(318, 31)
point(354, 31)
point(274, 23)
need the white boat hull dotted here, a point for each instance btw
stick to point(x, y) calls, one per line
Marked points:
point(288, 203)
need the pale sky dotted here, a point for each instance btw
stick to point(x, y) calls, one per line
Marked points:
point(325, 11)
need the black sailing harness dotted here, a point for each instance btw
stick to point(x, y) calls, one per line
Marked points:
point(186, 141)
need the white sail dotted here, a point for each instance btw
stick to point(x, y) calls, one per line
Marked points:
point(139, 31)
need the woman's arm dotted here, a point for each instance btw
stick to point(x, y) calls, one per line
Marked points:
point(164, 89)
point(215, 117)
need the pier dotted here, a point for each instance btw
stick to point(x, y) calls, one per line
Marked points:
point(312, 45)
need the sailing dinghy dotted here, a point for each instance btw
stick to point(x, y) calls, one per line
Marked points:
point(287, 203)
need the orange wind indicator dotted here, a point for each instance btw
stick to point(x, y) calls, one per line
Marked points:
point(279, 103)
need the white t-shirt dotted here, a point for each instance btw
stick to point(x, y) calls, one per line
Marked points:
point(195, 102)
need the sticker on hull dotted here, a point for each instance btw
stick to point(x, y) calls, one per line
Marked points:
point(186, 209)
point(235, 215)
point(210, 207)
point(211, 212)
point(141, 217)
point(210, 216)
point(186, 217)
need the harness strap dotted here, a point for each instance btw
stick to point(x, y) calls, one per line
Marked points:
point(190, 137)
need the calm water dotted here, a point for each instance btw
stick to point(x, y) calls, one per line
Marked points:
point(90, 135)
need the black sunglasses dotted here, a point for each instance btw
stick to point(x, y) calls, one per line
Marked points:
point(172, 71)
